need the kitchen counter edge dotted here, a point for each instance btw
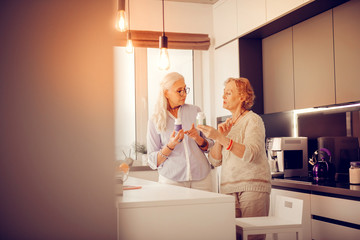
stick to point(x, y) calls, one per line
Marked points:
point(311, 188)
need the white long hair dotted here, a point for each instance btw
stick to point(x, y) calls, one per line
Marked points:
point(160, 111)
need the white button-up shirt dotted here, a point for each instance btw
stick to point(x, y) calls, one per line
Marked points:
point(187, 161)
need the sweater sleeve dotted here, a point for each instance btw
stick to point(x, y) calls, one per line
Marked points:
point(254, 139)
point(214, 161)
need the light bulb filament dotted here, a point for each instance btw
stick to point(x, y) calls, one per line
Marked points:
point(129, 46)
point(121, 23)
point(164, 61)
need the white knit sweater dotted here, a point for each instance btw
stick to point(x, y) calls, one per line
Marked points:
point(251, 172)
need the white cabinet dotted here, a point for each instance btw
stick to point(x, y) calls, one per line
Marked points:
point(329, 231)
point(347, 51)
point(225, 21)
point(337, 211)
point(226, 64)
point(234, 18)
point(314, 62)
point(250, 15)
point(335, 208)
point(325, 64)
point(276, 8)
point(278, 72)
point(306, 219)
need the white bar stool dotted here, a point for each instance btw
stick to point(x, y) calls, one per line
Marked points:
point(287, 218)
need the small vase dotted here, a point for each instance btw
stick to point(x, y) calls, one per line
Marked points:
point(144, 159)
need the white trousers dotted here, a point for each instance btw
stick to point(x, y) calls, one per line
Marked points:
point(204, 184)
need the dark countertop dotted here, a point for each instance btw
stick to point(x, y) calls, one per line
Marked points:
point(304, 184)
point(326, 188)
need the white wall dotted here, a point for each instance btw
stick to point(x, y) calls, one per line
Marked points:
point(124, 89)
point(57, 120)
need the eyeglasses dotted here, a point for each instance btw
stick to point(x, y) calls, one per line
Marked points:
point(185, 90)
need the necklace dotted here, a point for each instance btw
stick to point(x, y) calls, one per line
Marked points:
point(234, 121)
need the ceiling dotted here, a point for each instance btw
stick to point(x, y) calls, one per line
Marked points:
point(196, 1)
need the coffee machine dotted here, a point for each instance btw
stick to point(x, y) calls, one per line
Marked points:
point(287, 156)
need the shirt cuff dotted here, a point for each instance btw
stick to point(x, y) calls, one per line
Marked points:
point(153, 162)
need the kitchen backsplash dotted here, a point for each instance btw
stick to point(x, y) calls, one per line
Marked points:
point(313, 125)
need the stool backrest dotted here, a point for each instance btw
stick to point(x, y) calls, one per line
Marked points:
point(289, 208)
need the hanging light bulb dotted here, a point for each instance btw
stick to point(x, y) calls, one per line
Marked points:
point(164, 61)
point(129, 45)
point(121, 22)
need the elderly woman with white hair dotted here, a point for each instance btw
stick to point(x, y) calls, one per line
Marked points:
point(177, 155)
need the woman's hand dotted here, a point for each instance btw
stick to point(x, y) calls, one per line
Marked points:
point(193, 133)
point(209, 131)
point(176, 138)
point(225, 127)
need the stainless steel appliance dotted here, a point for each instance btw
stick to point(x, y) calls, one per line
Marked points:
point(287, 156)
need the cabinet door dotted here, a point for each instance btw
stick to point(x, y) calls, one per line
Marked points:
point(225, 21)
point(278, 72)
point(276, 8)
point(335, 208)
point(314, 62)
point(338, 211)
point(328, 231)
point(347, 51)
point(250, 14)
point(226, 65)
point(306, 211)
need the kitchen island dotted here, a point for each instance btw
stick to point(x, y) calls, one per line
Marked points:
point(160, 211)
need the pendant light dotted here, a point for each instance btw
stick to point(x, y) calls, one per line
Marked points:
point(121, 23)
point(129, 45)
point(164, 61)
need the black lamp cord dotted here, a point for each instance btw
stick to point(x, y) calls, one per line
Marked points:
point(129, 13)
point(163, 17)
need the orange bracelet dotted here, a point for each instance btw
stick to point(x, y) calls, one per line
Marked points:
point(230, 145)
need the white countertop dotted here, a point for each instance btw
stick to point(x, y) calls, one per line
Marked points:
point(156, 194)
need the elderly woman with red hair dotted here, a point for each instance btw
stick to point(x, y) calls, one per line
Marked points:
point(240, 150)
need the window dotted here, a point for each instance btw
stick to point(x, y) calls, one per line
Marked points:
point(137, 81)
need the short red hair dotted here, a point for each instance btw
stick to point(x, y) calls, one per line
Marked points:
point(245, 89)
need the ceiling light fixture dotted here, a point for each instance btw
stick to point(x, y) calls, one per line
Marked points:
point(121, 23)
point(164, 61)
point(129, 45)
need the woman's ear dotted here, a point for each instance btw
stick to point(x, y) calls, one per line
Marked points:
point(242, 97)
point(166, 93)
